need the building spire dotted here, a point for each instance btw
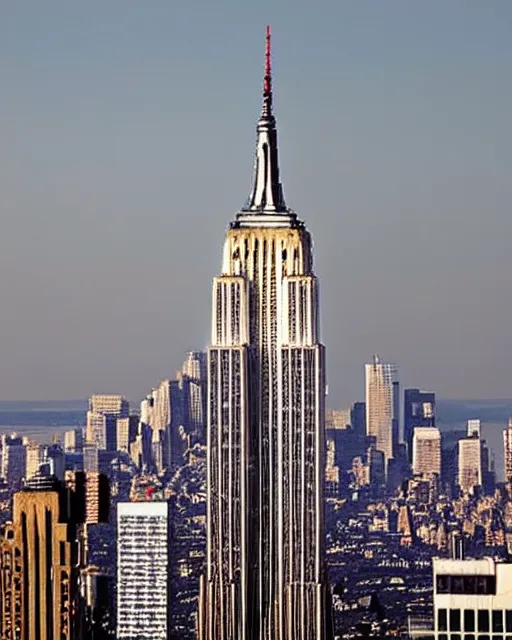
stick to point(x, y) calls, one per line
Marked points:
point(267, 78)
point(267, 192)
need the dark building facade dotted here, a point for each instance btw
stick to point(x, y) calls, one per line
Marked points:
point(419, 411)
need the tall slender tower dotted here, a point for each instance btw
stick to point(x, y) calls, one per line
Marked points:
point(265, 576)
point(382, 406)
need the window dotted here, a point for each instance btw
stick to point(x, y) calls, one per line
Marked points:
point(508, 619)
point(485, 585)
point(469, 620)
point(443, 584)
point(483, 620)
point(497, 621)
point(62, 553)
point(469, 636)
point(457, 584)
point(442, 620)
point(469, 584)
point(454, 620)
point(455, 636)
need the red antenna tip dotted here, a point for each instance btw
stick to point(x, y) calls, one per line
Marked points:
point(268, 76)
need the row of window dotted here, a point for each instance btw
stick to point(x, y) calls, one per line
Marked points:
point(471, 585)
point(481, 620)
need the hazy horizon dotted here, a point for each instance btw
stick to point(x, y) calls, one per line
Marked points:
point(128, 140)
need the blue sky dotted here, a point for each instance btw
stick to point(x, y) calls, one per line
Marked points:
point(127, 138)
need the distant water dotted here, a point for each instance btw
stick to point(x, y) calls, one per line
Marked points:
point(40, 420)
point(452, 415)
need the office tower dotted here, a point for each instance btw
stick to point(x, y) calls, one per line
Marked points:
point(507, 442)
point(471, 598)
point(126, 432)
point(419, 411)
point(91, 458)
point(55, 458)
point(471, 464)
point(73, 440)
point(358, 418)
point(193, 377)
point(101, 426)
point(376, 463)
point(346, 442)
point(332, 471)
point(382, 406)
point(39, 555)
point(474, 428)
point(143, 575)
point(111, 405)
point(13, 460)
point(426, 451)
point(34, 456)
point(265, 577)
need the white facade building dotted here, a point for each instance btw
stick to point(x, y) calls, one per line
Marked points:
point(426, 451)
point(382, 406)
point(472, 599)
point(470, 464)
point(143, 574)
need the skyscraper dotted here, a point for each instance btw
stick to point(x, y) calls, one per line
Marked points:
point(426, 456)
point(419, 411)
point(38, 589)
point(101, 427)
point(143, 575)
point(13, 460)
point(471, 464)
point(265, 577)
point(382, 406)
point(507, 442)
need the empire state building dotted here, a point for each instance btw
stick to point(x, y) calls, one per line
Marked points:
point(265, 573)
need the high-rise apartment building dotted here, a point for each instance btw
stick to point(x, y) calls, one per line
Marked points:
point(419, 411)
point(265, 572)
point(382, 406)
point(143, 570)
point(39, 553)
point(507, 442)
point(426, 451)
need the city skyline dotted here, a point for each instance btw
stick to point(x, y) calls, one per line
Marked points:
point(112, 121)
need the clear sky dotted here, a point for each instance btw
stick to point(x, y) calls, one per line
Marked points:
point(127, 135)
